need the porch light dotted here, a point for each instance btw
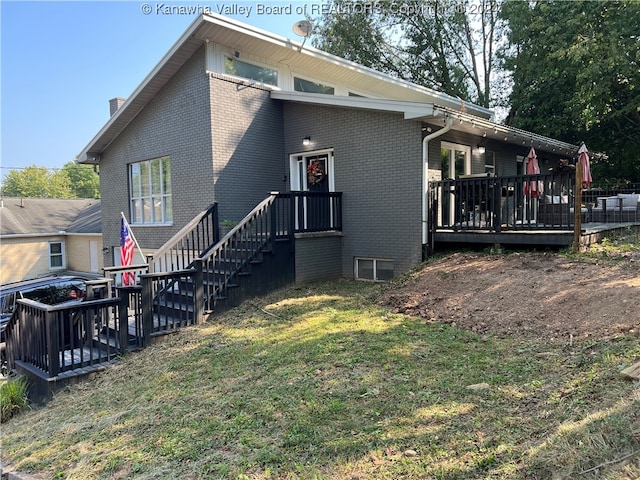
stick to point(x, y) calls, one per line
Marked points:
point(306, 141)
point(481, 149)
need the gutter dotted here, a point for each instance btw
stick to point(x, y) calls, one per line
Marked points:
point(425, 176)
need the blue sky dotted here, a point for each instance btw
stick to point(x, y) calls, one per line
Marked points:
point(62, 62)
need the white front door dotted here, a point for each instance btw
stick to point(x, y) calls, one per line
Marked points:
point(311, 172)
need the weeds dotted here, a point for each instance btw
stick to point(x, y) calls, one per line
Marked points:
point(13, 397)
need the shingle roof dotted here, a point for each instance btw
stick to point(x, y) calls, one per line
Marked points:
point(29, 216)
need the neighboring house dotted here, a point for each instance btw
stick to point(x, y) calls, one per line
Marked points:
point(43, 236)
point(233, 112)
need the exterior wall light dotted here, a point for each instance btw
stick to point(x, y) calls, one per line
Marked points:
point(306, 141)
point(481, 149)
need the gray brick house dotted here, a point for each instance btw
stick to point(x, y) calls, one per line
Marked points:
point(232, 113)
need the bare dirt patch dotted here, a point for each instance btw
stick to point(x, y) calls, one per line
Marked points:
point(542, 294)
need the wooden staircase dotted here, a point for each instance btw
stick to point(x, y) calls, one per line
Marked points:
point(195, 274)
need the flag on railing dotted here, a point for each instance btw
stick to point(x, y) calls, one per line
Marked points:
point(127, 246)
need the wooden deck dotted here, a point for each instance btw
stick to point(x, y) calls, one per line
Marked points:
point(590, 233)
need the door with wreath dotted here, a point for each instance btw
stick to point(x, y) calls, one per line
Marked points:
point(312, 173)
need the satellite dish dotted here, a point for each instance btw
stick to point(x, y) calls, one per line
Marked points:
point(303, 28)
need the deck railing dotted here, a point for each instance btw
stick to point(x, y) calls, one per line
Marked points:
point(524, 202)
point(195, 238)
point(63, 338)
point(54, 340)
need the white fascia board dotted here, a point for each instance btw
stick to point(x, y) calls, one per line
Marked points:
point(83, 155)
point(410, 110)
point(330, 58)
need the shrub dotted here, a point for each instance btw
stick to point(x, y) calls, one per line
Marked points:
point(13, 397)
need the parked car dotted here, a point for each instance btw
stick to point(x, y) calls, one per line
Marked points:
point(48, 290)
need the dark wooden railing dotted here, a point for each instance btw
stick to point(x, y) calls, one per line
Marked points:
point(62, 338)
point(496, 204)
point(54, 340)
point(280, 215)
point(195, 238)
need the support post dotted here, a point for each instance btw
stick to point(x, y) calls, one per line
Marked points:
point(577, 209)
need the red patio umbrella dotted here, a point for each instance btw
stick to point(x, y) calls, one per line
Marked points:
point(533, 188)
point(583, 161)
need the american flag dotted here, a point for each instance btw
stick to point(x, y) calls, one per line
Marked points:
point(127, 246)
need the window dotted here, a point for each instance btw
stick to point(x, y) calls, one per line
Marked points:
point(56, 255)
point(233, 66)
point(373, 269)
point(490, 162)
point(302, 85)
point(151, 201)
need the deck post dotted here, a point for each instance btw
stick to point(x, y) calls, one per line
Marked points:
point(147, 308)
point(53, 342)
point(123, 320)
point(198, 292)
point(577, 209)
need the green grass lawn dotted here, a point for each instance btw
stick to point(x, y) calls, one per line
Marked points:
point(320, 383)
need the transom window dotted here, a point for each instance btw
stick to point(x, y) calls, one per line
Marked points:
point(236, 67)
point(302, 85)
point(151, 201)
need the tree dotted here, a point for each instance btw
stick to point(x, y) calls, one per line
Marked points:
point(447, 46)
point(85, 183)
point(576, 76)
point(72, 181)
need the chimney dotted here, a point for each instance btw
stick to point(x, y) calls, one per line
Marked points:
point(115, 104)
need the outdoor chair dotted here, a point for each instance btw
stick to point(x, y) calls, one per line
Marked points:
point(623, 207)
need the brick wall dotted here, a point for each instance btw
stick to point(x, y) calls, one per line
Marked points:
point(248, 149)
point(225, 142)
point(318, 257)
point(378, 167)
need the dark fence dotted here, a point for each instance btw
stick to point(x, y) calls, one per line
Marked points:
point(62, 338)
point(524, 202)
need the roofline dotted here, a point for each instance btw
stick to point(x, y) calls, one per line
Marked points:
point(528, 138)
point(189, 32)
point(429, 112)
point(411, 110)
point(331, 58)
point(90, 155)
point(56, 234)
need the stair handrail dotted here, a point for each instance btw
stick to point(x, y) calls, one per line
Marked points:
point(155, 261)
point(258, 209)
point(235, 235)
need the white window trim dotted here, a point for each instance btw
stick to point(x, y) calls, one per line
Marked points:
point(461, 148)
point(164, 195)
point(62, 254)
point(375, 268)
point(295, 75)
point(293, 168)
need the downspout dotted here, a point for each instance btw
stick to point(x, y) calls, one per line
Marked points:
point(425, 178)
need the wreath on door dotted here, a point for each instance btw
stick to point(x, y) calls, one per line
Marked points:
point(315, 172)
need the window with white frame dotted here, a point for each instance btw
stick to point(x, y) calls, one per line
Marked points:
point(56, 255)
point(151, 201)
point(236, 67)
point(302, 85)
point(373, 269)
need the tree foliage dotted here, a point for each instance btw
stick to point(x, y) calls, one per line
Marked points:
point(72, 181)
point(576, 72)
point(447, 46)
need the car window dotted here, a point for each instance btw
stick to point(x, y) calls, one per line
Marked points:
point(7, 303)
point(41, 294)
point(67, 291)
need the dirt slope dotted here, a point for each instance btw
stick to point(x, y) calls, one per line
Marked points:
point(525, 294)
